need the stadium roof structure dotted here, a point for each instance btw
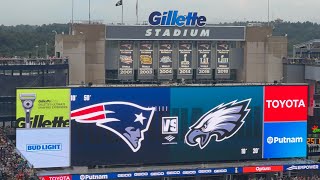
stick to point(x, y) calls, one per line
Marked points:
point(85, 170)
point(315, 43)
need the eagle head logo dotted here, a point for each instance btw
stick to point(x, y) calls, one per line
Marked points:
point(222, 122)
point(127, 120)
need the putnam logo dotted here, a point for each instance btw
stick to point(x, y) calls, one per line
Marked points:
point(284, 140)
point(290, 103)
point(172, 18)
point(44, 147)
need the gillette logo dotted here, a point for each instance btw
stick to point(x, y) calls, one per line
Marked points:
point(171, 18)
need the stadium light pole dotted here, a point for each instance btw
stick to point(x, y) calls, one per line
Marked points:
point(89, 11)
point(37, 51)
point(46, 50)
point(268, 13)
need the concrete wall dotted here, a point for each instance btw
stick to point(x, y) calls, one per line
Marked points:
point(86, 51)
point(277, 48)
point(263, 55)
point(293, 73)
point(312, 72)
point(74, 48)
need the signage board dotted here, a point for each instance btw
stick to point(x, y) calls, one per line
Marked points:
point(42, 108)
point(45, 148)
point(185, 59)
point(223, 61)
point(126, 60)
point(146, 59)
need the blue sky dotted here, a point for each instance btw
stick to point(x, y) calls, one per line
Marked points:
point(37, 12)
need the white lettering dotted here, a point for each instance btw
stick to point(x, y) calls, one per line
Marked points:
point(259, 169)
point(157, 32)
point(205, 33)
point(176, 32)
point(220, 170)
point(189, 172)
point(194, 32)
point(205, 171)
point(157, 174)
point(173, 172)
point(290, 103)
point(166, 32)
point(185, 32)
point(148, 32)
point(141, 174)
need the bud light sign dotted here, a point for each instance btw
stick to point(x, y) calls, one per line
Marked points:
point(172, 18)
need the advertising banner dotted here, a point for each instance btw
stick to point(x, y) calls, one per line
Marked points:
point(298, 167)
point(161, 173)
point(165, 59)
point(45, 148)
point(204, 59)
point(286, 103)
point(146, 59)
point(126, 59)
point(42, 108)
point(262, 169)
point(165, 124)
point(285, 140)
point(185, 59)
point(56, 177)
point(223, 61)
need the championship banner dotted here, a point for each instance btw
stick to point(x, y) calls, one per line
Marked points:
point(223, 61)
point(185, 59)
point(204, 59)
point(165, 59)
point(42, 108)
point(126, 59)
point(146, 59)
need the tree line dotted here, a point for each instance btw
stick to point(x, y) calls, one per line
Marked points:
point(32, 40)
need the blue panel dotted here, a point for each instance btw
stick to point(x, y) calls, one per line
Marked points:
point(285, 140)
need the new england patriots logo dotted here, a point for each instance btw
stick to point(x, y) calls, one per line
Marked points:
point(223, 122)
point(127, 120)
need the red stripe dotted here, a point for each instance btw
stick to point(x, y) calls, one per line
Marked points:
point(99, 117)
point(88, 111)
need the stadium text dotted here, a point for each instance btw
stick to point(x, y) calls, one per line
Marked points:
point(171, 18)
point(178, 32)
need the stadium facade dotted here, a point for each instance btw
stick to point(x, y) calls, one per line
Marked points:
point(102, 54)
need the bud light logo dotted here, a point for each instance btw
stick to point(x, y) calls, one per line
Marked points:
point(172, 18)
point(44, 147)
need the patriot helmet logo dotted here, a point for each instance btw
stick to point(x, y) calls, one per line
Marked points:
point(127, 120)
point(223, 122)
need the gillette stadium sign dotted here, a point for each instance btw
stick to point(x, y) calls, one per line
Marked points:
point(172, 18)
point(174, 25)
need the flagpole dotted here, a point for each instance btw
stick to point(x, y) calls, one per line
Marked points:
point(137, 11)
point(122, 11)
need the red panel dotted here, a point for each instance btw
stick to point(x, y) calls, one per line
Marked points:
point(285, 103)
point(58, 177)
point(255, 169)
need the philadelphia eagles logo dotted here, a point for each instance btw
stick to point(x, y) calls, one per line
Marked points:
point(223, 122)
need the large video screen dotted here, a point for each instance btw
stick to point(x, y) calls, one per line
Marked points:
point(42, 108)
point(116, 126)
point(45, 148)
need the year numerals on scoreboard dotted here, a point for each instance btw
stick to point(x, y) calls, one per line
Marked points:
point(313, 140)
